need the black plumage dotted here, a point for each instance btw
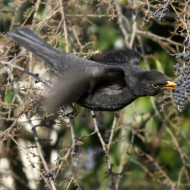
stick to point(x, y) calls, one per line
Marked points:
point(107, 85)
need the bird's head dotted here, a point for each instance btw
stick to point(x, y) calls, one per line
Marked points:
point(153, 82)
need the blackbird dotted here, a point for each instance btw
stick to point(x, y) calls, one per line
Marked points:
point(109, 84)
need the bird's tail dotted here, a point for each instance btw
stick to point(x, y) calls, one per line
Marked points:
point(28, 39)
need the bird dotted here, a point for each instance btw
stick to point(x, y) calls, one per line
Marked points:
point(108, 84)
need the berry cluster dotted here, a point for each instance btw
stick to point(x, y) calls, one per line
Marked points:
point(182, 91)
point(185, 56)
point(160, 14)
point(162, 9)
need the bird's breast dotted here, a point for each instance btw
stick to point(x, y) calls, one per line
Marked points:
point(108, 101)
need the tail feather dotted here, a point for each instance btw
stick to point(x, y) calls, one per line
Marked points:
point(58, 60)
point(30, 35)
point(39, 47)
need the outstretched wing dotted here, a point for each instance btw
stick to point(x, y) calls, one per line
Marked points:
point(72, 86)
point(121, 56)
point(67, 90)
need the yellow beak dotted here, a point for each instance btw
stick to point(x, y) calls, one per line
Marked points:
point(169, 86)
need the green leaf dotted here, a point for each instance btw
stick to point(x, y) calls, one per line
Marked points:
point(9, 96)
point(159, 66)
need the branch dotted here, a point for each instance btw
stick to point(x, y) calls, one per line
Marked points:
point(164, 42)
point(105, 149)
point(120, 21)
point(25, 71)
point(48, 172)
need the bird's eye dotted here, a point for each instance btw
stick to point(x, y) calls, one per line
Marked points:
point(154, 85)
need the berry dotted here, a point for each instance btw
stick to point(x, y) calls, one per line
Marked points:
point(177, 65)
point(182, 91)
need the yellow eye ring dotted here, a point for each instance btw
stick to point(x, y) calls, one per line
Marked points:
point(154, 85)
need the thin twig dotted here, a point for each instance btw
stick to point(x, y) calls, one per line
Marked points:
point(105, 149)
point(25, 71)
point(39, 149)
point(114, 124)
point(98, 132)
point(134, 29)
point(64, 25)
point(120, 21)
point(166, 43)
point(37, 6)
